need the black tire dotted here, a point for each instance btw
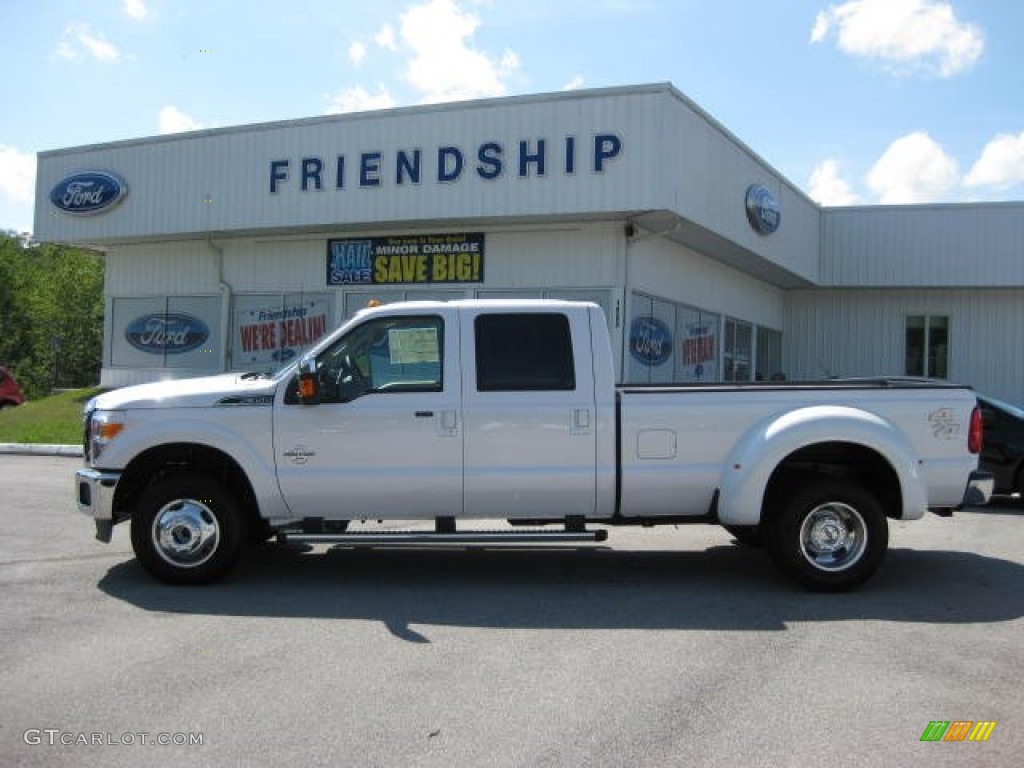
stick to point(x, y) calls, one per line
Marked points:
point(830, 536)
point(187, 529)
point(748, 535)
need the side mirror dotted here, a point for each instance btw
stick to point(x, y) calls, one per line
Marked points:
point(309, 383)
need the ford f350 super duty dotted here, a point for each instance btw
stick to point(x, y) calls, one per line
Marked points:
point(508, 410)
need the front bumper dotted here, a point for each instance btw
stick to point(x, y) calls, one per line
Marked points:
point(979, 489)
point(94, 492)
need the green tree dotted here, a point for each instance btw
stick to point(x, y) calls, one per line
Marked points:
point(51, 314)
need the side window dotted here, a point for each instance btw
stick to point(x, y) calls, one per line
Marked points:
point(524, 352)
point(389, 354)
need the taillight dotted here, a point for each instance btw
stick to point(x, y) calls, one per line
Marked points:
point(974, 436)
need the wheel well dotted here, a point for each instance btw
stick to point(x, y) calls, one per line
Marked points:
point(835, 461)
point(181, 457)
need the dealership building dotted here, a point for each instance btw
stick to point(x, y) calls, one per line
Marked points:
point(237, 248)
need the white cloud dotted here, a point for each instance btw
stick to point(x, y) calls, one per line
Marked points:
point(358, 99)
point(135, 8)
point(356, 53)
point(385, 38)
point(828, 188)
point(17, 175)
point(914, 169)
point(66, 51)
point(1001, 164)
point(173, 120)
point(80, 38)
point(445, 66)
point(906, 35)
point(575, 84)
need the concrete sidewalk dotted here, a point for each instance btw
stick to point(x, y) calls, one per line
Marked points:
point(39, 449)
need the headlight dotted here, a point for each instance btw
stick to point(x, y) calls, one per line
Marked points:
point(104, 426)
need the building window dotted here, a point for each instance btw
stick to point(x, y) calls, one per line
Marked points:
point(166, 332)
point(769, 356)
point(738, 352)
point(927, 343)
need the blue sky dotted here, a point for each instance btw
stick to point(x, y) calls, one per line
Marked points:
point(856, 102)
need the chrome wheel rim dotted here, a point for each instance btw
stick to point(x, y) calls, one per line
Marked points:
point(833, 536)
point(186, 533)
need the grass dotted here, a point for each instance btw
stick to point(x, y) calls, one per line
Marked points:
point(54, 419)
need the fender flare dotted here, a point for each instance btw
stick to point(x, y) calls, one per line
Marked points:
point(147, 436)
point(766, 445)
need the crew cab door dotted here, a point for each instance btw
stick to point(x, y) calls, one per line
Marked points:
point(529, 413)
point(385, 441)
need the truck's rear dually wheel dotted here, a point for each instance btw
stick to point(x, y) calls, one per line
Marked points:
point(830, 536)
point(187, 529)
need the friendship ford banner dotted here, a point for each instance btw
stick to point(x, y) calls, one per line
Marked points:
point(269, 332)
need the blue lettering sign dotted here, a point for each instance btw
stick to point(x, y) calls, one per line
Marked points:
point(606, 146)
point(374, 169)
point(526, 158)
point(339, 179)
point(449, 163)
point(278, 172)
point(369, 169)
point(408, 168)
point(311, 168)
point(489, 156)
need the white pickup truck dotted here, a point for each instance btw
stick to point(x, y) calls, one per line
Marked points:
point(508, 410)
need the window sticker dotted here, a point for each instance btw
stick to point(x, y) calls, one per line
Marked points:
point(413, 345)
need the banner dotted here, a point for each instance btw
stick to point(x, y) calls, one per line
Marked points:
point(269, 332)
point(417, 259)
point(700, 351)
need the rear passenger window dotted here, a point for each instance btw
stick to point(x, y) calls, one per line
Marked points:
point(524, 352)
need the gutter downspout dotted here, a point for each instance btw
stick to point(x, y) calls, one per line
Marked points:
point(226, 292)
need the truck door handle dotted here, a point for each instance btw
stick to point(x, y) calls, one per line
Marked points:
point(424, 414)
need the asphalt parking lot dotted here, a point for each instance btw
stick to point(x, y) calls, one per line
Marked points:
point(663, 647)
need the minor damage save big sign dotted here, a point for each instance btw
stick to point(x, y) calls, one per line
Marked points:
point(447, 258)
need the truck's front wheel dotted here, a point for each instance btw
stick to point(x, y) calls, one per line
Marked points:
point(187, 529)
point(830, 536)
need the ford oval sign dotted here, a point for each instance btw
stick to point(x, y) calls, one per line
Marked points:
point(763, 210)
point(169, 333)
point(89, 192)
point(650, 340)
point(283, 355)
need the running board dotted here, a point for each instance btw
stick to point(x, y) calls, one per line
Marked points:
point(413, 538)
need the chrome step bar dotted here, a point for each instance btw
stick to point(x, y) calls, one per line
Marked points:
point(413, 538)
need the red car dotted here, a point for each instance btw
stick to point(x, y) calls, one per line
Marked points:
point(10, 392)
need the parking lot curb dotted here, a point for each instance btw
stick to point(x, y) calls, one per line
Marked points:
point(40, 449)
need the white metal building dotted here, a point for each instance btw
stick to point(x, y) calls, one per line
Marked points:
point(236, 248)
